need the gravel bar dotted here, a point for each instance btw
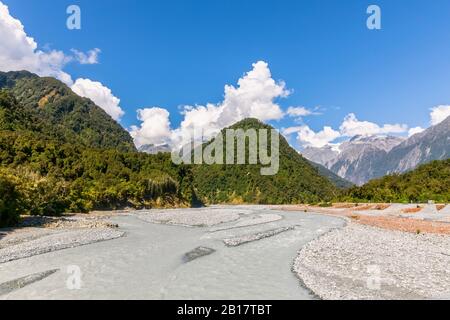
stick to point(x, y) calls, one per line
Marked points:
point(362, 262)
point(249, 221)
point(204, 217)
point(57, 241)
point(237, 241)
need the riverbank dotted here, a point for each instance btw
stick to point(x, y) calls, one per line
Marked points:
point(170, 259)
point(38, 235)
point(363, 262)
point(412, 218)
point(231, 252)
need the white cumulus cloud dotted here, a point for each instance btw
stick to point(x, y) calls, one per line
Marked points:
point(253, 97)
point(415, 130)
point(351, 126)
point(300, 112)
point(308, 138)
point(91, 57)
point(100, 95)
point(20, 52)
point(439, 114)
point(155, 128)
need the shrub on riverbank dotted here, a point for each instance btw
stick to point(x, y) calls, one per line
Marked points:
point(9, 202)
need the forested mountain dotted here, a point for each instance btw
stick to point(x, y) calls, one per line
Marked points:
point(62, 153)
point(428, 182)
point(297, 181)
point(48, 107)
point(334, 178)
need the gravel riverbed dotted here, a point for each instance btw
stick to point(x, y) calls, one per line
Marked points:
point(38, 235)
point(180, 255)
point(56, 241)
point(362, 262)
point(223, 252)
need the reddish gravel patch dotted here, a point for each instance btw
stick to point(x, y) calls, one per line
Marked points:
point(405, 224)
point(385, 222)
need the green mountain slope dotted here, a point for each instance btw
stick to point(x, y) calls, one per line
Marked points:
point(428, 182)
point(334, 178)
point(297, 180)
point(67, 155)
point(49, 107)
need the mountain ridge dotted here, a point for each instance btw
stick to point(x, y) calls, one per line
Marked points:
point(58, 112)
point(297, 180)
point(364, 158)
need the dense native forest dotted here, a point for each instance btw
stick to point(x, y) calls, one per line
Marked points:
point(60, 153)
point(297, 181)
point(430, 181)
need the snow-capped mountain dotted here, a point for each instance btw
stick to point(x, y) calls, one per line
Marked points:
point(356, 160)
point(326, 156)
point(367, 157)
point(431, 144)
point(154, 149)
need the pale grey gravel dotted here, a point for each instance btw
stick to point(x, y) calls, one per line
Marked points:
point(362, 262)
point(248, 221)
point(203, 217)
point(56, 241)
point(240, 240)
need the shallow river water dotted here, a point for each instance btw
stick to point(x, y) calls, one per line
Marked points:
point(149, 261)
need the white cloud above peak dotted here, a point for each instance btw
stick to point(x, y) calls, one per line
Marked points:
point(18, 51)
point(439, 114)
point(100, 95)
point(253, 97)
point(155, 128)
point(308, 138)
point(351, 126)
point(415, 130)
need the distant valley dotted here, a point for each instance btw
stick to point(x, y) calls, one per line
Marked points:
point(368, 157)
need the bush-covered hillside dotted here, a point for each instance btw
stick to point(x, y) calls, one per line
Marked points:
point(296, 182)
point(49, 107)
point(51, 178)
point(428, 182)
point(62, 153)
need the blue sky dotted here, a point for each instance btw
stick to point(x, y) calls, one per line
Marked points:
point(172, 53)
